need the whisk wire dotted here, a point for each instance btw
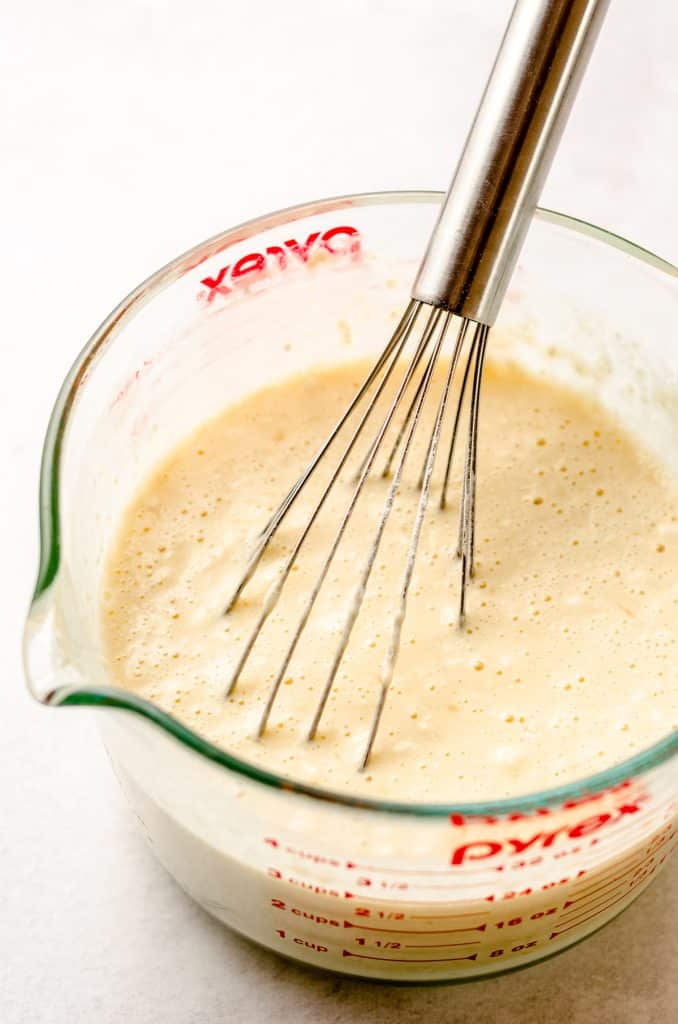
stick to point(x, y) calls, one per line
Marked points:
point(455, 429)
point(466, 544)
point(427, 349)
point(399, 617)
point(414, 403)
point(396, 341)
point(275, 591)
point(421, 347)
point(358, 597)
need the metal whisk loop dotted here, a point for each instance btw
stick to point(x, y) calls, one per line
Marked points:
point(467, 519)
point(455, 429)
point(397, 339)
point(356, 603)
point(271, 600)
point(427, 473)
point(427, 350)
point(422, 345)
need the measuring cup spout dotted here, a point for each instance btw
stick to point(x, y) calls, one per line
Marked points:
point(52, 667)
point(41, 662)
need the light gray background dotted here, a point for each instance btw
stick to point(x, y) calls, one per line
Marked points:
point(129, 131)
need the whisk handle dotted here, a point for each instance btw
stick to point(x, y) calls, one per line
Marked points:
point(508, 152)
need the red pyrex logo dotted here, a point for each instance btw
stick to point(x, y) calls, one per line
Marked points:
point(342, 240)
point(629, 802)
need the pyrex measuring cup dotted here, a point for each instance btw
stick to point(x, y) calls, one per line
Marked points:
point(387, 890)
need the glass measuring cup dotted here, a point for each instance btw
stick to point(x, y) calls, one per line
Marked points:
point(371, 888)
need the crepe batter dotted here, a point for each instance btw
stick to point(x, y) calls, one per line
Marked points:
point(565, 665)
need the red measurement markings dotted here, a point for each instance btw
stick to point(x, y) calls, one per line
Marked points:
point(317, 858)
point(536, 916)
point(400, 916)
point(576, 923)
point(602, 901)
point(440, 945)
point(414, 931)
point(404, 873)
point(315, 946)
point(603, 880)
point(382, 915)
point(598, 898)
point(308, 886)
point(447, 917)
point(522, 947)
point(606, 887)
point(375, 897)
point(320, 890)
point(594, 907)
point(407, 872)
point(454, 886)
point(455, 890)
point(389, 886)
point(410, 960)
point(513, 894)
point(651, 849)
point(352, 865)
point(414, 879)
point(308, 915)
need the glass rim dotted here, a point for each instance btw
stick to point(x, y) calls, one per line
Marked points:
point(50, 529)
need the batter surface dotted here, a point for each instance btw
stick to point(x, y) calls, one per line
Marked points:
point(567, 661)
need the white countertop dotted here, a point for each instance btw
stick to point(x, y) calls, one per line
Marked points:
point(130, 131)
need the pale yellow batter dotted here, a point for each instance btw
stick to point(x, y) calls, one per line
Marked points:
point(567, 661)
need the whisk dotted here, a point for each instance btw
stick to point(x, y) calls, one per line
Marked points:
point(461, 282)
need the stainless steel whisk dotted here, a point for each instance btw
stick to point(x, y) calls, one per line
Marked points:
point(463, 277)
